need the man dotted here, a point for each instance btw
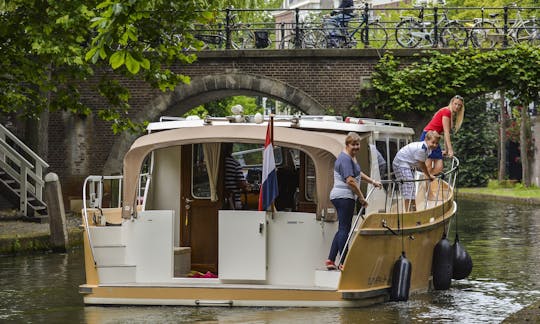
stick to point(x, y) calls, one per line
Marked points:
point(234, 181)
point(345, 12)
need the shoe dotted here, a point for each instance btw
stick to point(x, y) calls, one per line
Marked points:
point(330, 265)
point(340, 267)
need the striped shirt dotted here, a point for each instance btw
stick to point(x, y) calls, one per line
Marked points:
point(233, 178)
point(343, 168)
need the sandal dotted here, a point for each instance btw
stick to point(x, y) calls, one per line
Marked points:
point(330, 265)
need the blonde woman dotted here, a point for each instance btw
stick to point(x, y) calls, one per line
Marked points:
point(442, 122)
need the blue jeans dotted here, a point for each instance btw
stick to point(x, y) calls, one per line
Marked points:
point(345, 211)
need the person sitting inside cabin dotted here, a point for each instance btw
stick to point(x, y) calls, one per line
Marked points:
point(412, 156)
point(344, 12)
point(234, 181)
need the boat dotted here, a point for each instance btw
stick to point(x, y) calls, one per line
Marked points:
point(162, 234)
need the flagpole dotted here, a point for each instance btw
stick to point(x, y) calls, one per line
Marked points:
point(272, 205)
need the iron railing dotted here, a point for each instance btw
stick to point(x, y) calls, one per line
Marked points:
point(371, 27)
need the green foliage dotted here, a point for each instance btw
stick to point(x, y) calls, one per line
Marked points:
point(49, 47)
point(426, 85)
point(42, 45)
point(476, 144)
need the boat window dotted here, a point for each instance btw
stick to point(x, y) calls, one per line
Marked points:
point(383, 149)
point(310, 179)
point(250, 155)
point(393, 149)
point(200, 183)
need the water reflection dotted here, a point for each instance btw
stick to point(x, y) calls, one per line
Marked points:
point(503, 240)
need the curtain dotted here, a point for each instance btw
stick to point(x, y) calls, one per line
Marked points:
point(211, 159)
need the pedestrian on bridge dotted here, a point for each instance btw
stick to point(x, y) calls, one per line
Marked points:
point(344, 12)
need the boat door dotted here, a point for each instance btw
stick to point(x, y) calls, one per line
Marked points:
point(198, 214)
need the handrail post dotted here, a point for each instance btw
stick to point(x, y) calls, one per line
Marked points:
point(297, 40)
point(505, 27)
point(282, 33)
point(228, 40)
point(435, 28)
point(366, 24)
point(23, 190)
point(39, 186)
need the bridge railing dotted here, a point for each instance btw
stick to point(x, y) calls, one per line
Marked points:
point(372, 27)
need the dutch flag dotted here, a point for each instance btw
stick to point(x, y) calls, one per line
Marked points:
point(269, 187)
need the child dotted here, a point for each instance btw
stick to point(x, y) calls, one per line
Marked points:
point(411, 156)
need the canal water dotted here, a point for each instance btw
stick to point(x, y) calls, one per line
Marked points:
point(503, 240)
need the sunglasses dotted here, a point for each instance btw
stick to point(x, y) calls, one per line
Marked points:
point(458, 97)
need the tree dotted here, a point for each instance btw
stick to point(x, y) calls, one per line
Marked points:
point(47, 49)
point(502, 137)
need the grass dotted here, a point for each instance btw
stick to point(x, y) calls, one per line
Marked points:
point(505, 189)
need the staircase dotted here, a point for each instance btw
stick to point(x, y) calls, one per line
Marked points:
point(21, 175)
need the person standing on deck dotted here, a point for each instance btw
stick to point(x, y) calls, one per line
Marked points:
point(443, 122)
point(346, 189)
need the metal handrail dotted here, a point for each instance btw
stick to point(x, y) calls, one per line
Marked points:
point(342, 255)
point(19, 154)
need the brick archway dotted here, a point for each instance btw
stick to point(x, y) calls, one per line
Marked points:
point(204, 89)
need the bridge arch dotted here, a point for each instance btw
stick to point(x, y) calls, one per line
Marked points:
point(208, 88)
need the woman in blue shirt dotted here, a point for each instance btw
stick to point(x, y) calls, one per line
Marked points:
point(347, 177)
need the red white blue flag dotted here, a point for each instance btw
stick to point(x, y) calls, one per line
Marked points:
point(269, 187)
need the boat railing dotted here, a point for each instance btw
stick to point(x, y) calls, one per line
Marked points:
point(394, 186)
point(287, 118)
point(94, 191)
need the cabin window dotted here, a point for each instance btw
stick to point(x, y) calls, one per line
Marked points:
point(310, 179)
point(200, 183)
point(393, 146)
point(250, 155)
point(383, 149)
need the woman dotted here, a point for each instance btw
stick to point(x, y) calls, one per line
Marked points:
point(442, 122)
point(347, 176)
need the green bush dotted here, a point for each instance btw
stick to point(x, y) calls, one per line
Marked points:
point(476, 144)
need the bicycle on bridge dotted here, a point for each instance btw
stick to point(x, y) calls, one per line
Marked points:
point(232, 34)
point(489, 33)
point(342, 30)
point(414, 32)
point(339, 30)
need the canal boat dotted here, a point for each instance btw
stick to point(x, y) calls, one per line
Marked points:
point(162, 233)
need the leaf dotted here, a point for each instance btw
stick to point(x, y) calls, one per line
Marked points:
point(132, 64)
point(145, 63)
point(117, 59)
point(90, 54)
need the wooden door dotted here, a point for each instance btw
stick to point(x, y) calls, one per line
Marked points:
point(198, 215)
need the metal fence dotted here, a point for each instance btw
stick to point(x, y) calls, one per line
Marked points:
point(371, 27)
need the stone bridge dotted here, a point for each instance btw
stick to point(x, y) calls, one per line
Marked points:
point(310, 80)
